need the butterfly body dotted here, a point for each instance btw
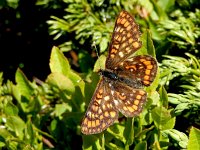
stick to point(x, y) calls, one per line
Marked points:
point(120, 88)
point(109, 74)
point(112, 77)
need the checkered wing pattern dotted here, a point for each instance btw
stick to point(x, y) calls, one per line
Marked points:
point(121, 87)
point(101, 112)
point(125, 40)
point(141, 69)
point(127, 100)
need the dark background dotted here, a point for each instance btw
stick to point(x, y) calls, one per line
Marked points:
point(24, 39)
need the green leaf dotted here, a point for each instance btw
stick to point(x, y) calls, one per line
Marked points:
point(164, 141)
point(62, 82)
point(77, 81)
point(29, 132)
point(100, 63)
point(54, 123)
point(147, 44)
point(91, 142)
point(162, 118)
point(166, 6)
point(5, 134)
point(62, 108)
point(159, 9)
point(59, 64)
point(23, 85)
point(10, 109)
point(16, 124)
point(103, 44)
point(181, 107)
point(117, 131)
point(180, 137)
point(28, 147)
point(141, 146)
point(23, 91)
point(194, 139)
point(129, 131)
point(153, 99)
point(163, 97)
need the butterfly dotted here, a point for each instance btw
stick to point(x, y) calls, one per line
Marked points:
point(120, 88)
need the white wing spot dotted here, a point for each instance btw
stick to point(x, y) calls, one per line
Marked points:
point(128, 102)
point(100, 111)
point(130, 59)
point(112, 92)
point(107, 98)
point(110, 84)
point(116, 102)
point(89, 114)
point(121, 54)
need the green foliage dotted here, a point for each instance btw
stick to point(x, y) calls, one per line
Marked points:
point(186, 71)
point(87, 23)
point(183, 29)
point(178, 137)
point(47, 114)
point(194, 140)
point(10, 3)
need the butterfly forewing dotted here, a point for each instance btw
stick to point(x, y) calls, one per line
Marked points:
point(125, 40)
point(101, 112)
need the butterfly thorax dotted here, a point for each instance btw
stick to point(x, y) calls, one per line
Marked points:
point(111, 76)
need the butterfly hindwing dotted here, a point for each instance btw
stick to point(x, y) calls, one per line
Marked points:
point(141, 69)
point(129, 101)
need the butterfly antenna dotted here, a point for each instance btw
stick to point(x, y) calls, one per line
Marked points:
point(94, 45)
